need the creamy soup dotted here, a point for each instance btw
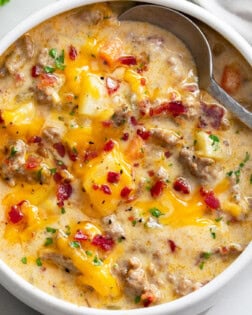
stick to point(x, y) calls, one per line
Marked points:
point(123, 185)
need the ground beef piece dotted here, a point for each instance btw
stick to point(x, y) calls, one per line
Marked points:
point(16, 60)
point(182, 285)
point(205, 169)
point(44, 59)
point(165, 136)
point(120, 117)
point(92, 17)
point(112, 227)
point(29, 45)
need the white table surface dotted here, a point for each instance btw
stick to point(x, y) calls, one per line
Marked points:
point(237, 299)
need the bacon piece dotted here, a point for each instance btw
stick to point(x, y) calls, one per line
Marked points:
point(90, 155)
point(64, 191)
point(128, 60)
point(32, 162)
point(60, 148)
point(15, 214)
point(174, 108)
point(144, 134)
point(36, 71)
point(172, 245)
point(72, 53)
point(182, 185)
point(106, 189)
point(212, 115)
point(80, 236)
point(210, 199)
point(106, 243)
point(113, 177)
point(157, 189)
point(109, 145)
point(125, 192)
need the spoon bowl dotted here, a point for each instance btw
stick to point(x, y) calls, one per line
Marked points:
point(186, 30)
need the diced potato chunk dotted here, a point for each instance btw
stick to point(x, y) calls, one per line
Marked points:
point(94, 100)
point(209, 145)
point(96, 174)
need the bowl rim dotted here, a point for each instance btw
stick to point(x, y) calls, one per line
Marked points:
point(42, 301)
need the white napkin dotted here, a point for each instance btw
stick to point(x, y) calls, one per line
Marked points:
point(236, 13)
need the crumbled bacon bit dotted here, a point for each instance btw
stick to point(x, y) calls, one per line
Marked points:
point(36, 71)
point(1, 118)
point(125, 136)
point(90, 155)
point(104, 242)
point(80, 236)
point(167, 154)
point(35, 139)
point(109, 145)
point(106, 189)
point(57, 177)
point(125, 192)
point(133, 121)
point(147, 301)
point(113, 177)
point(95, 187)
point(157, 189)
point(47, 79)
point(107, 123)
point(151, 173)
point(128, 60)
point(73, 154)
point(212, 115)
point(182, 185)
point(15, 214)
point(144, 134)
point(210, 200)
point(72, 52)
point(172, 245)
point(60, 148)
point(174, 108)
point(143, 81)
point(112, 85)
point(64, 191)
point(32, 162)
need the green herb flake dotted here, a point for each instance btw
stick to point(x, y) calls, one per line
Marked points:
point(97, 261)
point(48, 241)
point(89, 253)
point(137, 299)
point(215, 141)
point(13, 152)
point(68, 230)
point(63, 210)
point(155, 212)
point(53, 53)
point(237, 172)
point(218, 219)
point(24, 260)
point(39, 175)
point(49, 69)
point(206, 255)
point(213, 234)
point(250, 179)
point(39, 262)
point(201, 265)
point(134, 222)
point(53, 171)
point(51, 230)
point(75, 244)
point(3, 2)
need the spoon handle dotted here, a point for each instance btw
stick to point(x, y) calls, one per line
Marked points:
point(234, 107)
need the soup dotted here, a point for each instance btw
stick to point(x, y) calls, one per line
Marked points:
point(121, 183)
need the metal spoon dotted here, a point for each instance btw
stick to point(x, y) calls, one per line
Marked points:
point(195, 40)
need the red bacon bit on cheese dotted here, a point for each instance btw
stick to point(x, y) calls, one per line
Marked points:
point(1, 118)
point(106, 189)
point(212, 115)
point(144, 134)
point(109, 146)
point(147, 299)
point(72, 53)
point(60, 148)
point(36, 71)
point(125, 136)
point(107, 123)
point(32, 162)
point(174, 108)
point(90, 155)
point(125, 192)
point(35, 139)
point(210, 199)
point(80, 236)
point(73, 154)
point(15, 214)
point(105, 243)
point(182, 185)
point(133, 121)
point(157, 189)
point(113, 177)
point(64, 192)
point(128, 60)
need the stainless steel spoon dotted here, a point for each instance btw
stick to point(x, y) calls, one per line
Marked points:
point(195, 40)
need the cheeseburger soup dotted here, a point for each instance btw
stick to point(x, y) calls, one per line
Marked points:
point(122, 184)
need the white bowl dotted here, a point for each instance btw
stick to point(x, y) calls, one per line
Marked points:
point(191, 304)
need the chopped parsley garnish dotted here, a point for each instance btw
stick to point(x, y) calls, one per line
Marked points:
point(49, 69)
point(58, 61)
point(68, 230)
point(218, 219)
point(39, 175)
point(75, 244)
point(3, 2)
point(97, 261)
point(213, 234)
point(13, 152)
point(215, 141)
point(53, 171)
point(89, 253)
point(201, 265)
point(155, 212)
point(48, 241)
point(39, 262)
point(53, 53)
point(250, 179)
point(137, 299)
point(24, 260)
point(51, 230)
point(237, 172)
point(134, 222)
point(63, 210)
point(206, 255)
